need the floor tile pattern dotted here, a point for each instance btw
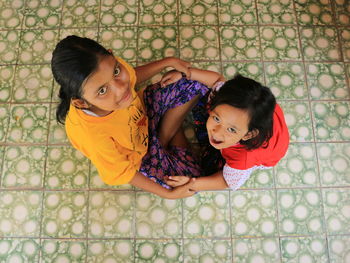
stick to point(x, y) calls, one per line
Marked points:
point(55, 208)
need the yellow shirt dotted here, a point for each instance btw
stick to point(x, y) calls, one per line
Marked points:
point(115, 143)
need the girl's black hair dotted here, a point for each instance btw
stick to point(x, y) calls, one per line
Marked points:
point(245, 93)
point(73, 60)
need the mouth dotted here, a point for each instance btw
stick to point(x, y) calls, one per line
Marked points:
point(213, 141)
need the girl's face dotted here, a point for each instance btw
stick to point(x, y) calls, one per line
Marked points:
point(108, 88)
point(228, 125)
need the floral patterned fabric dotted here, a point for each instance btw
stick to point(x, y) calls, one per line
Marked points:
point(160, 162)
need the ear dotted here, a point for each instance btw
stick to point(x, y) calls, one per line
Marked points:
point(110, 51)
point(250, 135)
point(80, 104)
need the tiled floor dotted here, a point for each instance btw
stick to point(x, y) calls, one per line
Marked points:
point(53, 206)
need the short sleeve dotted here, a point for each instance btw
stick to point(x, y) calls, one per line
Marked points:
point(236, 178)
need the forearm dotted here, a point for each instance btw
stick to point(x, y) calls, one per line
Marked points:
point(213, 182)
point(207, 77)
point(147, 71)
point(144, 183)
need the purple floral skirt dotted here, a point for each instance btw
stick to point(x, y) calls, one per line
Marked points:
point(160, 162)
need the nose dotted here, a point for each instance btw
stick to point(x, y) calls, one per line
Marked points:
point(117, 86)
point(216, 130)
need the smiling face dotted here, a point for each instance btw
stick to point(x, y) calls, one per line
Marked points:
point(107, 89)
point(228, 125)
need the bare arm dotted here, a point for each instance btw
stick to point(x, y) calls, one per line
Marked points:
point(207, 77)
point(144, 183)
point(147, 71)
point(213, 182)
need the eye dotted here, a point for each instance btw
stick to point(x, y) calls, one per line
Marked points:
point(102, 91)
point(216, 119)
point(231, 130)
point(116, 71)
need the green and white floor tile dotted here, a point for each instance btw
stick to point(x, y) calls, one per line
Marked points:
point(55, 208)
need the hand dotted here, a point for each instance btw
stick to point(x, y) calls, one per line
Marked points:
point(175, 181)
point(170, 77)
point(180, 65)
point(182, 191)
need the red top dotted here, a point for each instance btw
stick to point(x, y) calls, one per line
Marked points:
point(238, 157)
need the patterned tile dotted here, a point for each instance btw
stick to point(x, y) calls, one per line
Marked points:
point(298, 168)
point(260, 179)
point(42, 14)
point(327, 81)
point(96, 182)
point(206, 250)
point(334, 162)
point(4, 121)
point(314, 12)
point(256, 250)
point(253, 213)
point(121, 251)
point(111, 215)
point(300, 212)
point(331, 121)
point(237, 12)
point(342, 9)
point(199, 42)
point(19, 250)
point(36, 46)
point(345, 40)
point(121, 40)
point(319, 43)
point(157, 42)
point(301, 249)
point(66, 168)
point(80, 14)
point(158, 251)
point(64, 214)
point(252, 70)
point(28, 123)
point(82, 32)
point(120, 13)
point(339, 248)
point(206, 214)
point(20, 213)
point(6, 82)
point(9, 40)
point(286, 80)
point(280, 43)
point(239, 43)
point(298, 120)
point(23, 166)
point(57, 133)
point(11, 14)
point(337, 210)
point(198, 12)
point(158, 12)
point(276, 12)
point(32, 83)
point(157, 217)
point(63, 251)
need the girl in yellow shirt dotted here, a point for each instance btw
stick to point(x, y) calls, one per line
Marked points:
point(130, 137)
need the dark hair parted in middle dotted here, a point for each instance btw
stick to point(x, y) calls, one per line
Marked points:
point(247, 94)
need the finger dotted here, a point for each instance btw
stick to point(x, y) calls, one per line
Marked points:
point(167, 82)
point(190, 183)
point(164, 79)
point(186, 70)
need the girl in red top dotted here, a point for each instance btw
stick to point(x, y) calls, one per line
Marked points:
point(247, 127)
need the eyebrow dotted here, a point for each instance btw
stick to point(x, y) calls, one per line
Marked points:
point(232, 126)
point(116, 64)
